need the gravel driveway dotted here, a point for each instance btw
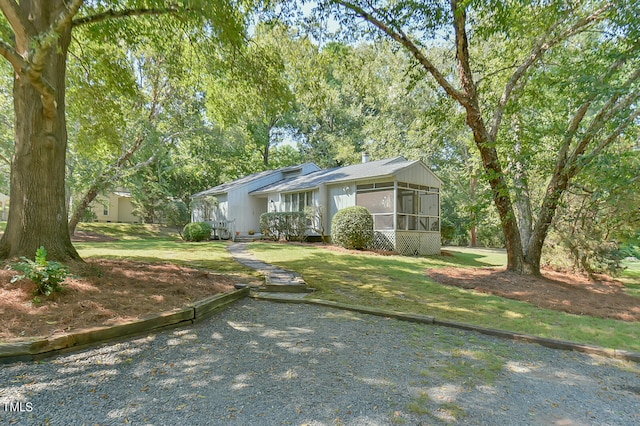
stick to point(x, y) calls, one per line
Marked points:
point(263, 363)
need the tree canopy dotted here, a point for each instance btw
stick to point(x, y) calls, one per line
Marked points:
point(528, 111)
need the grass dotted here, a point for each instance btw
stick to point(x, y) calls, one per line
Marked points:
point(129, 231)
point(399, 283)
point(631, 277)
point(153, 243)
point(388, 282)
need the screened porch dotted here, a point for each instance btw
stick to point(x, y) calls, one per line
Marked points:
point(406, 216)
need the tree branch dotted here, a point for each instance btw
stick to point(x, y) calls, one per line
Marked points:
point(44, 43)
point(13, 57)
point(614, 135)
point(22, 27)
point(5, 160)
point(539, 49)
point(115, 14)
point(403, 39)
point(608, 110)
point(582, 111)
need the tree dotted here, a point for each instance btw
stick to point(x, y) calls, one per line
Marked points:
point(525, 36)
point(252, 94)
point(35, 40)
point(149, 103)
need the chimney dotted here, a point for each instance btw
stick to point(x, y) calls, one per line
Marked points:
point(365, 157)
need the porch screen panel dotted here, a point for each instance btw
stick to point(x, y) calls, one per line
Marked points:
point(376, 201)
point(380, 204)
point(418, 208)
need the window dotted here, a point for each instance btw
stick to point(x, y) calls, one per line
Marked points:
point(297, 202)
point(105, 209)
point(376, 201)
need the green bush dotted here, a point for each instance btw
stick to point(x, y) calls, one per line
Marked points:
point(47, 275)
point(177, 214)
point(197, 231)
point(352, 228)
point(291, 226)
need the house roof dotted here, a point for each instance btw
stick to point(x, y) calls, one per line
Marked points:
point(123, 194)
point(226, 187)
point(372, 169)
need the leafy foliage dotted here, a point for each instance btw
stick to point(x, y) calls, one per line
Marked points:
point(47, 275)
point(177, 214)
point(197, 231)
point(291, 226)
point(352, 228)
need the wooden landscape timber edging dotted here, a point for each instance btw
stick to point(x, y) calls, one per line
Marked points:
point(35, 349)
point(546, 342)
point(528, 338)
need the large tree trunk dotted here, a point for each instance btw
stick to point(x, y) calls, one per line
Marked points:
point(486, 146)
point(555, 189)
point(38, 213)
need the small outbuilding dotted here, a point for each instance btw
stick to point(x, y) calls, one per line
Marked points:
point(116, 206)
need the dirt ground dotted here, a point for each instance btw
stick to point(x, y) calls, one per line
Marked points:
point(577, 294)
point(109, 292)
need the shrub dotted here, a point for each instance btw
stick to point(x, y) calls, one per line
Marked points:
point(291, 226)
point(177, 214)
point(352, 228)
point(197, 231)
point(47, 275)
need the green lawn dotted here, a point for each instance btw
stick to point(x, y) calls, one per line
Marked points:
point(153, 243)
point(129, 231)
point(631, 277)
point(399, 283)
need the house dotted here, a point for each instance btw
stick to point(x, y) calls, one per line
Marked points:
point(116, 206)
point(233, 201)
point(4, 207)
point(402, 195)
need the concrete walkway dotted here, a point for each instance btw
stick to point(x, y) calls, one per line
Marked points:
point(276, 279)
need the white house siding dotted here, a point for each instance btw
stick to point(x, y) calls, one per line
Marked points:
point(420, 175)
point(341, 196)
point(240, 210)
point(125, 211)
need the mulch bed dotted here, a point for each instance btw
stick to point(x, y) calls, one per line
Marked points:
point(573, 293)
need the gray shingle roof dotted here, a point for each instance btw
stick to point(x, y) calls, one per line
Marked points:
point(380, 168)
point(226, 187)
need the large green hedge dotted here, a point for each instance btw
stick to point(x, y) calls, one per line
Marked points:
point(197, 231)
point(352, 228)
point(291, 226)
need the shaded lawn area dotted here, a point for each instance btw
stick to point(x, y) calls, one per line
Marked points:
point(401, 283)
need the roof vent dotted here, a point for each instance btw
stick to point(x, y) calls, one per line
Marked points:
point(365, 157)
